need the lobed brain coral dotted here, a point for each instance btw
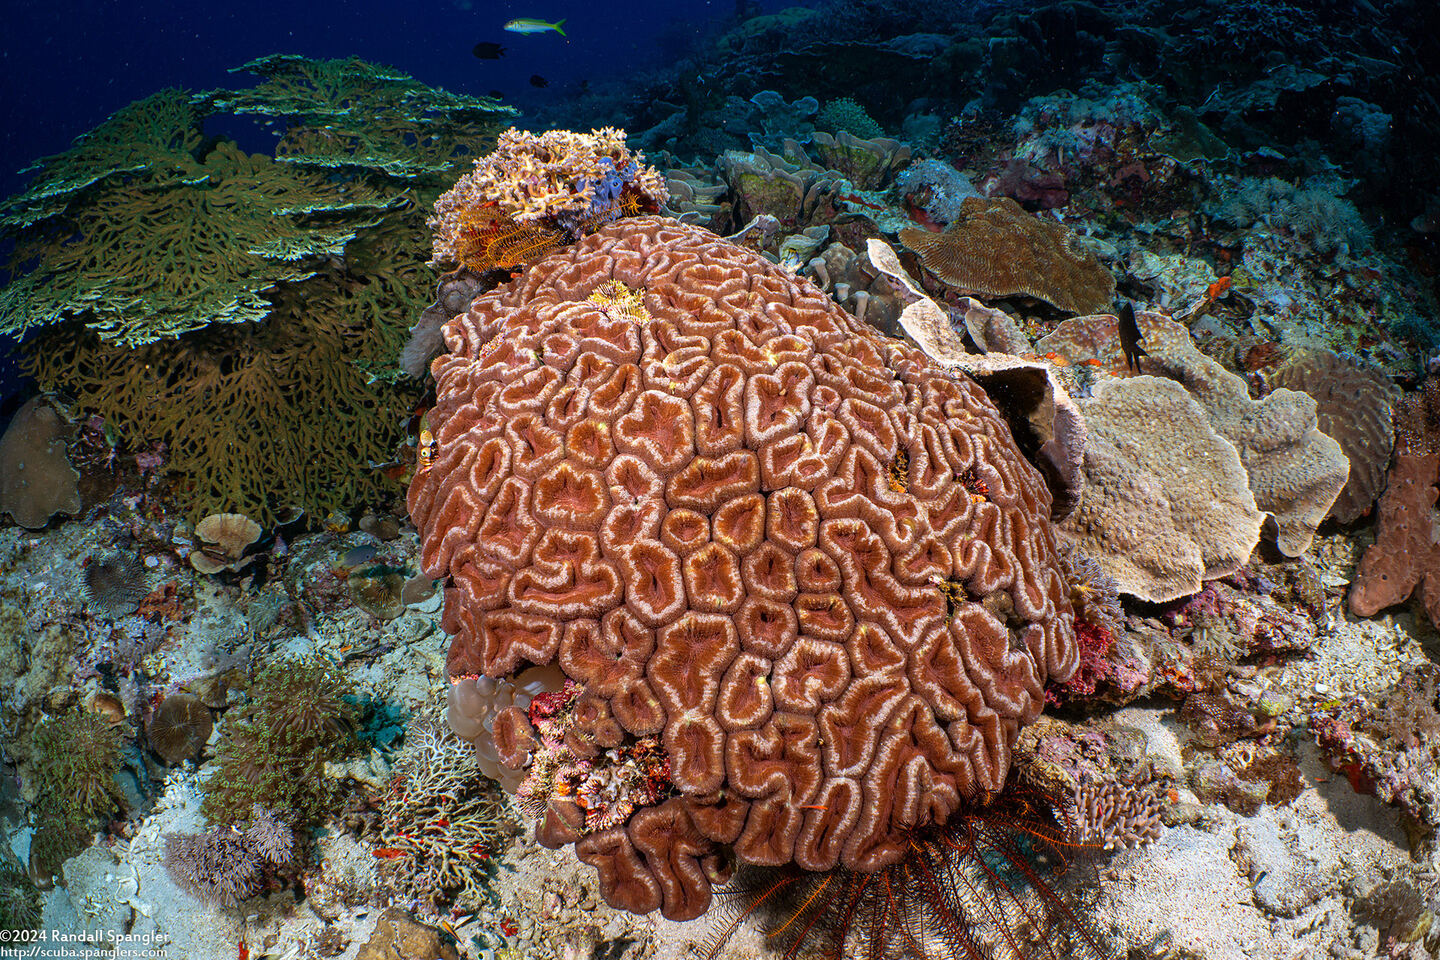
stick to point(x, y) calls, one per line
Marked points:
point(803, 560)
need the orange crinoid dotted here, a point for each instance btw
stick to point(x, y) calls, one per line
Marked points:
point(488, 240)
point(723, 514)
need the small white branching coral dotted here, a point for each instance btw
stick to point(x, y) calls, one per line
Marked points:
point(441, 819)
point(1113, 814)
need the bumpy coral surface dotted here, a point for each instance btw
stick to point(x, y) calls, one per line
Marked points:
point(1295, 471)
point(36, 479)
point(1165, 504)
point(1353, 404)
point(997, 249)
point(812, 564)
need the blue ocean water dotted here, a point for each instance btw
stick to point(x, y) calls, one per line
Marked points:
point(1337, 89)
point(66, 66)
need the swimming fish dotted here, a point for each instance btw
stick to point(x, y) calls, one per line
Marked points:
point(531, 25)
point(358, 555)
point(538, 81)
point(1130, 337)
point(488, 51)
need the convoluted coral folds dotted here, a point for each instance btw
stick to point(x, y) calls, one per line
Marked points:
point(811, 563)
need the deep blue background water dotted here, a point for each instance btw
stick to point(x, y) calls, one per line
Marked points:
point(65, 65)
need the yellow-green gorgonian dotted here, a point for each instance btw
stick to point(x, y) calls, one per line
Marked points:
point(243, 309)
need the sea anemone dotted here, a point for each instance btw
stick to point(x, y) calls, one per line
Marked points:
point(276, 746)
point(20, 903)
point(76, 757)
point(306, 697)
point(228, 864)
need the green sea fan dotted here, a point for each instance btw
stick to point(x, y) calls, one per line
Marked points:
point(139, 261)
point(244, 310)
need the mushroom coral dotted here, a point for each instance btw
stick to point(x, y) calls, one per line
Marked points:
point(810, 563)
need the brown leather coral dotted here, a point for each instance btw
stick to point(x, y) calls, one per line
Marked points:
point(745, 524)
point(996, 249)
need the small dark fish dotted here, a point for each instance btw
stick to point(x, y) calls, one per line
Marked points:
point(488, 51)
point(358, 555)
point(495, 94)
point(1130, 337)
point(538, 81)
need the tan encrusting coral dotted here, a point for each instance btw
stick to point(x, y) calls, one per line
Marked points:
point(1165, 505)
point(36, 479)
point(1353, 404)
point(1043, 418)
point(1406, 551)
point(996, 249)
point(222, 539)
point(1295, 471)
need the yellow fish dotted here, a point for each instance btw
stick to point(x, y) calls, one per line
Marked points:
point(529, 25)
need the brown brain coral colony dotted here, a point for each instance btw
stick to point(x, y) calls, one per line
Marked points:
point(802, 585)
